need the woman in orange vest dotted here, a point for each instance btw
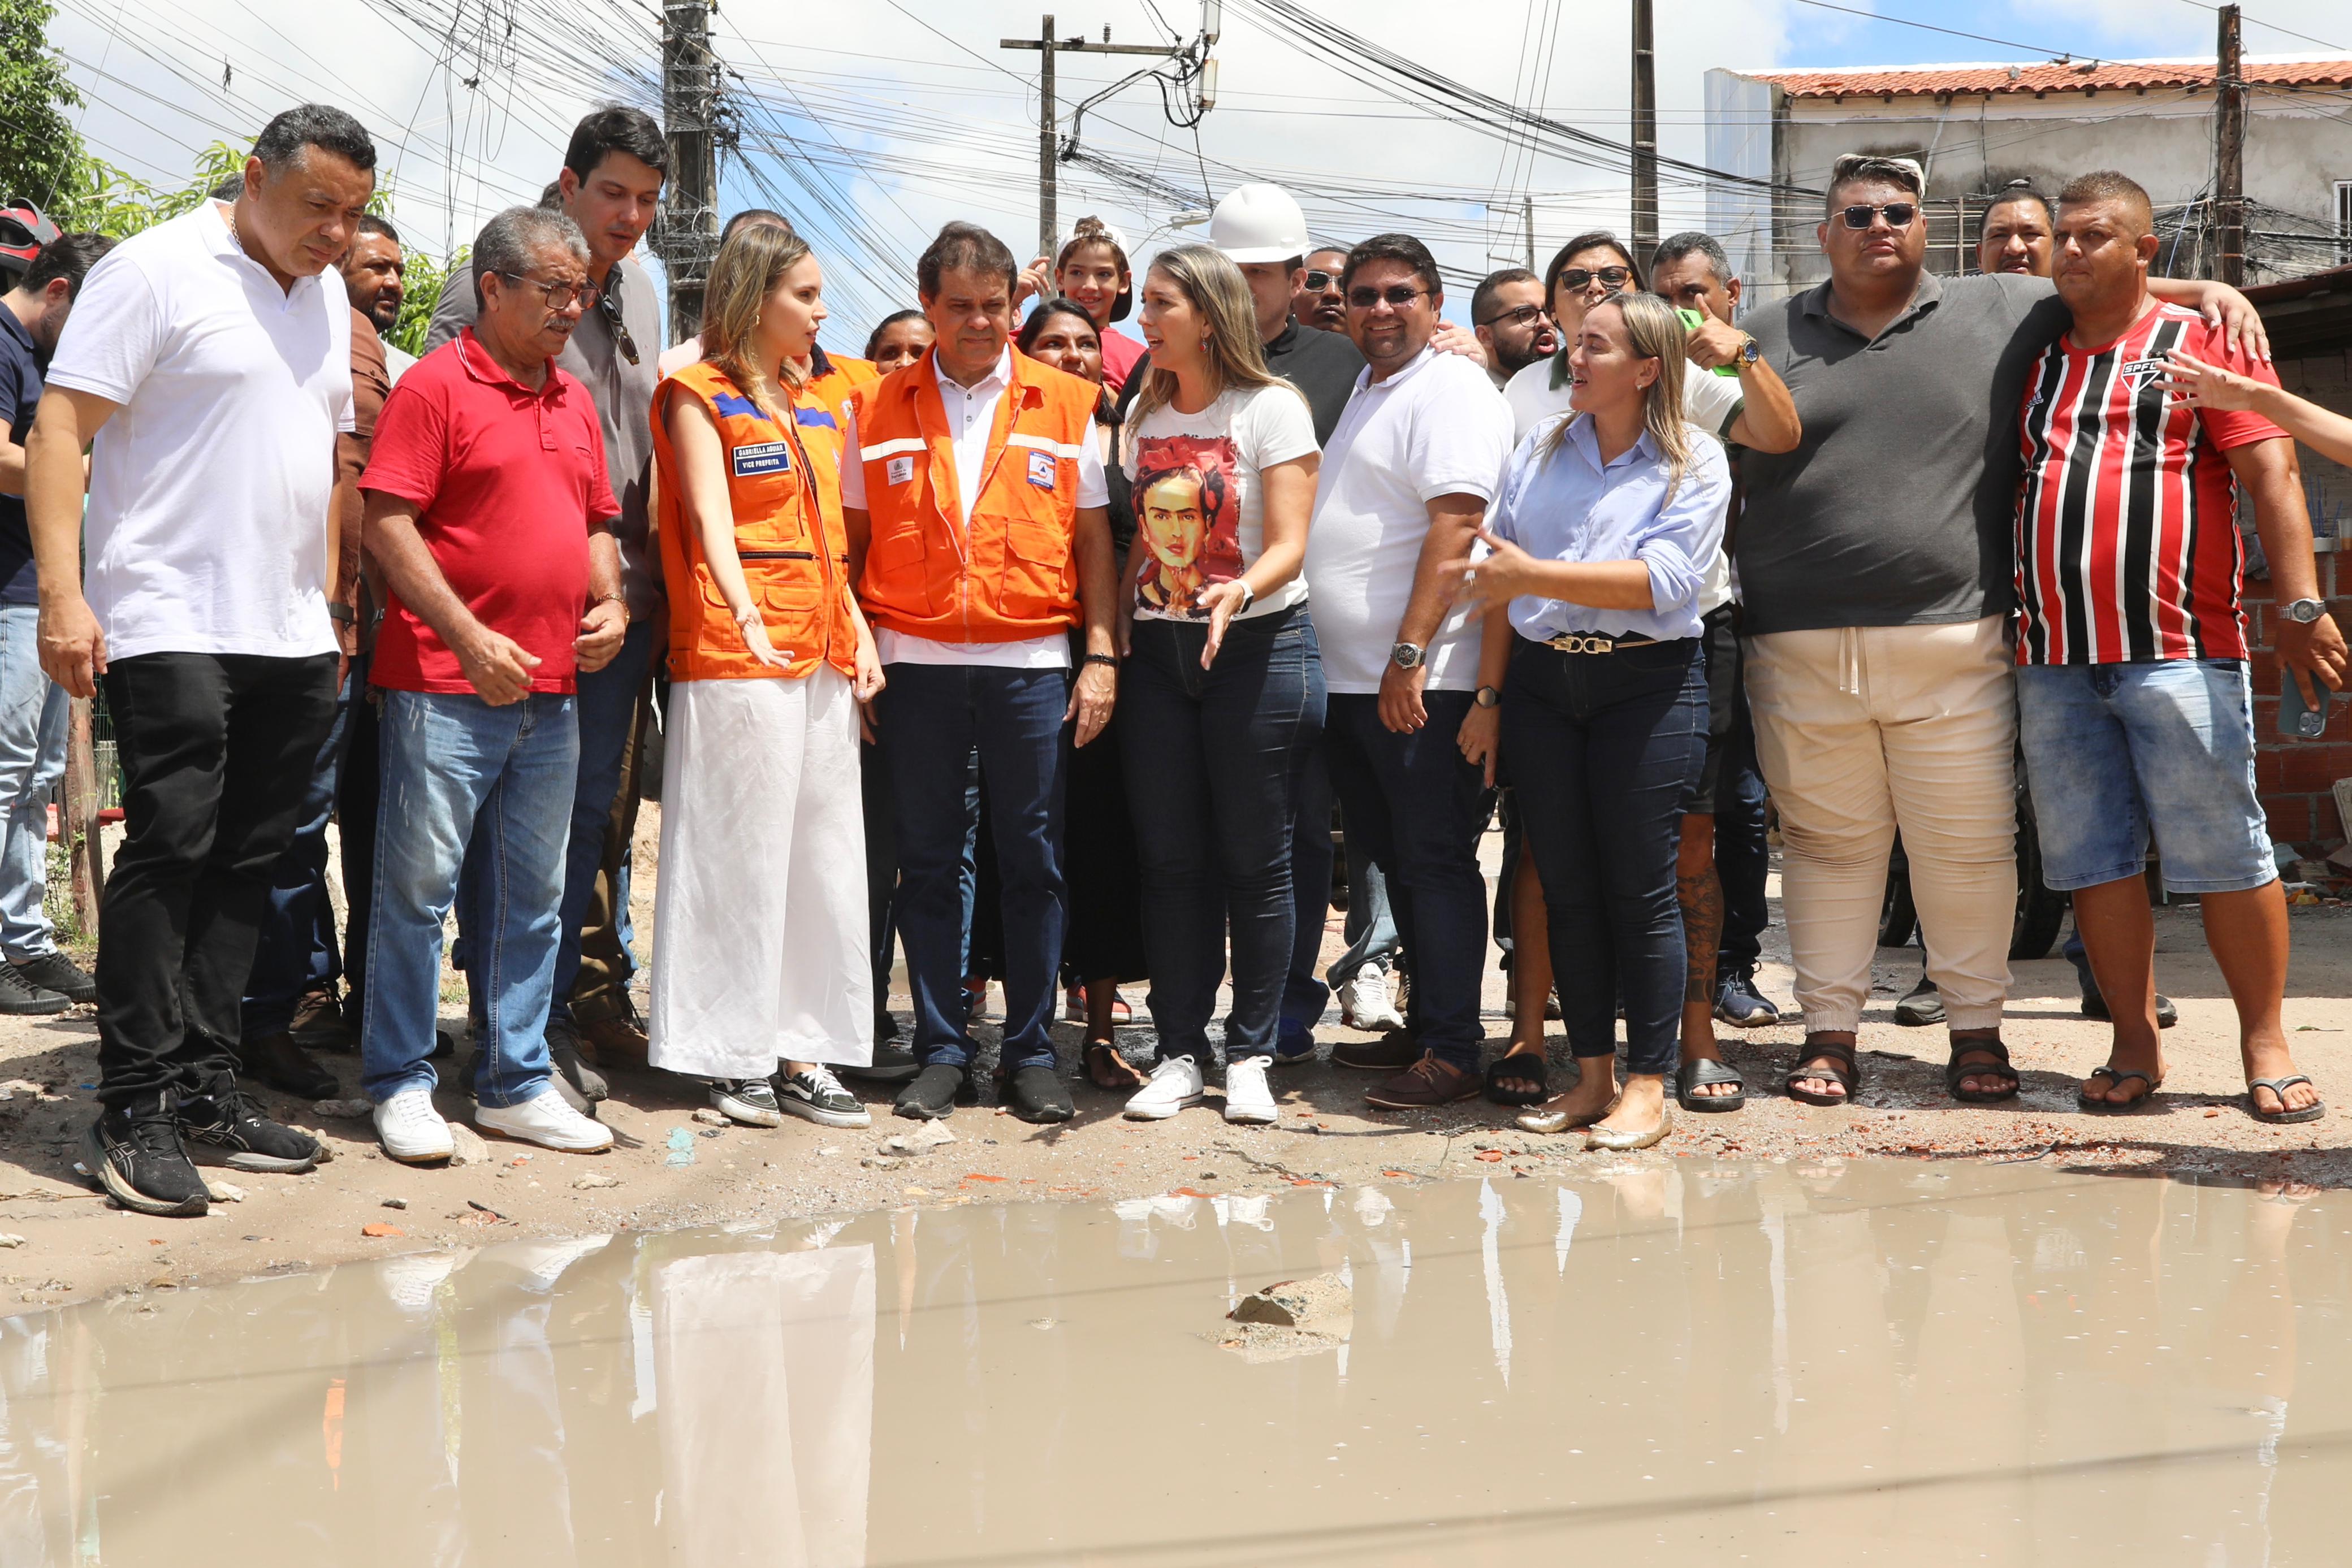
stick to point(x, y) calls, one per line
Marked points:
point(759, 919)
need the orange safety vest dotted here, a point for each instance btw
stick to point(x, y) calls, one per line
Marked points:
point(832, 377)
point(785, 492)
point(1005, 569)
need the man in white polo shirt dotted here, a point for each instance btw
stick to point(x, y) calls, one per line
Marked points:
point(212, 614)
point(1406, 480)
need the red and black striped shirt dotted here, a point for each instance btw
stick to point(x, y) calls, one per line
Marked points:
point(2128, 545)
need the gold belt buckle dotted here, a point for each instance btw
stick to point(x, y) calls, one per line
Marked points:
point(1577, 642)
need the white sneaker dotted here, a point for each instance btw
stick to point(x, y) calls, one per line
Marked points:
point(410, 1129)
point(1364, 1001)
point(1175, 1083)
point(1247, 1097)
point(546, 1119)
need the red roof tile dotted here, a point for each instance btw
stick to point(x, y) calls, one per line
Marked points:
point(2078, 76)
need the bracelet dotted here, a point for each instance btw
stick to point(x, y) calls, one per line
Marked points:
point(1111, 659)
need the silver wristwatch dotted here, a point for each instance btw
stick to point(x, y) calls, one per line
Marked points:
point(2304, 610)
point(1408, 655)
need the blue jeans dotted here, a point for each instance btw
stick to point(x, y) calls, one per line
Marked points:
point(1742, 857)
point(607, 707)
point(2115, 752)
point(298, 951)
point(1417, 808)
point(931, 717)
point(33, 714)
point(1213, 758)
point(1370, 926)
point(1603, 750)
point(458, 773)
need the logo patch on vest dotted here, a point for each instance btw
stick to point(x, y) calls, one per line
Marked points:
point(1041, 470)
point(765, 457)
point(901, 470)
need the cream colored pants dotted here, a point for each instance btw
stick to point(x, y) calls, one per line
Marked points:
point(1862, 730)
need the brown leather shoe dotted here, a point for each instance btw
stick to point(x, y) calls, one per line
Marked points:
point(319, 1020)
point(1426, 1084)
point(1391, 1052)
point(615, 1041)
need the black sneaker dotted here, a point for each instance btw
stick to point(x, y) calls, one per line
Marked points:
point(751, 1101)
point(21, 998)
point(1923, 1007)
point(2095, 1006)
point(54, 971)
point(232, 1122)
point(138, 1158)
point(815, 1095)
point(1037, 1094)
point(1739, 1003)
point(891, 1064)
point(276, 1061)
point(935, 1093)
point(564, 1050)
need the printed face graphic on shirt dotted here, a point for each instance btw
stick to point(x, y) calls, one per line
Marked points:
point(1188, 515)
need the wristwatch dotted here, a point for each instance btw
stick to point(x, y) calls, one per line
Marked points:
point(1488, 696)
point(1750, 350)
point(1408, 655)
point(2304, 610)
point(342, 613)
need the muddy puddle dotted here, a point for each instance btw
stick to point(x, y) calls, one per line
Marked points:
point(1905, 1363)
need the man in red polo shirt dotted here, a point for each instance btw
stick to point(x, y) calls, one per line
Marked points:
point(489, 511)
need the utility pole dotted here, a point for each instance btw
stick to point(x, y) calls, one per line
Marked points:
point(689, 235)
point(1048, 125)
point(2230, 153)
point(1528, 205)
point(1646, 135)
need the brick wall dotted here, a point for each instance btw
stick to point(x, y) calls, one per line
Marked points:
point(2296, 778)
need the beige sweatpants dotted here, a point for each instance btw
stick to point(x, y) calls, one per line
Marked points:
point(1862, 730)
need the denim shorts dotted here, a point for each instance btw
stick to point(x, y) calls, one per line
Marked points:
point(2114, 752)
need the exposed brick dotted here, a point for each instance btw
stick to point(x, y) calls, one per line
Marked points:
point(2290, 817)
point(2313, 766)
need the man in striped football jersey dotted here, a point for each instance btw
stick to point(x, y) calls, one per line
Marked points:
point(2134, 701)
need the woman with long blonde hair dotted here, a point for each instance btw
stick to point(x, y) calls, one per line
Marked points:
point(1223, 694)
point(1607, 518)
point(759, 922)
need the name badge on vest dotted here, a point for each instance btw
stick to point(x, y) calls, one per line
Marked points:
point(765, 457)
point(901, 470)
point(1041, 470)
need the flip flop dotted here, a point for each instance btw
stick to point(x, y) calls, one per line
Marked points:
point(1954, 1071)
point(1700, 1074)
point(2116, 1077)
point(2279, 1086)
point(1848, 1077)
point(1096, 1065)
point(1526, 1066)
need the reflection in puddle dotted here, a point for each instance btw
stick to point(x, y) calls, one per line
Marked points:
point(1841, 1364)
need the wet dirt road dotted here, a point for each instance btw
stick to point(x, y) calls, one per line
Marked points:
point(1910, 1361)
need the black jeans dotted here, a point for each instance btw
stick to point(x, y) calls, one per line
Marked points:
point(1214, 761)
point(1419, 809)
point(217, 752)
point(1602, 749)
point(1742, 859)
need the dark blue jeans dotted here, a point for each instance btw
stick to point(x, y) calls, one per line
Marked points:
point(1213, 758)
point(930, 718)
point(1418, 808)
point(882, 867)
point(1603, 750)
point(297, 951)
point(1742, 859)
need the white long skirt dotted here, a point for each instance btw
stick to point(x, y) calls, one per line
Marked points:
point(760, 924)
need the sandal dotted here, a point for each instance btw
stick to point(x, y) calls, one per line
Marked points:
point(1848, 1077)
point(1955, 1070)
point(2116, 1077)
point(2279, 1086)
point(1698, 1075)
point(1525, 1066)
point(1109, 1071)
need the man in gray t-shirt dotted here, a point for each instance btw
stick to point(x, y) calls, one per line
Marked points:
point(610, 186)
point(1876, 571)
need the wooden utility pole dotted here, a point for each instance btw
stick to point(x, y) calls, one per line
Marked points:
point(1049, 131)
point(689, 227)
point(1646, 135)
point(2230, 154)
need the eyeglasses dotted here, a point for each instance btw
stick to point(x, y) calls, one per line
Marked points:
point(1612, 279)
point(1524, 316)
point(1898, 214)
point(560, 295)
point(608, 305)
point(1400, 296)
point(1321, 282)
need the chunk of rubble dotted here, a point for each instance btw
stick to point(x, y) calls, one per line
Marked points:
point(921, 1141)
point(466, 1147)
point(1293, 1318)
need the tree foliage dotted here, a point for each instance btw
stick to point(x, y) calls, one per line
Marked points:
point(39, 149)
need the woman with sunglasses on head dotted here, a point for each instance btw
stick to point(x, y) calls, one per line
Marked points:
point(1609, 521)
point(760, 924)
point(1100, 867)
point(1091, 272)
point(1224, 687)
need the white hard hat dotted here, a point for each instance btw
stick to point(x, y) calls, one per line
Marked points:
point(1258, 223)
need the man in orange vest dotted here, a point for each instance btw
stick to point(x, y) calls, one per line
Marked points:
point(979, 536)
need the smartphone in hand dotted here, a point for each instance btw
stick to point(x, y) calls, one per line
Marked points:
point(2297, 719)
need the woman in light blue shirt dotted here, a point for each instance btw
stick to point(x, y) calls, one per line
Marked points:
point(1595, 696)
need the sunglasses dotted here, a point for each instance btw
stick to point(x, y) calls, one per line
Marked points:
point(1321, 282)
point(1524, 316)
point(1612, 279)
point(1399, 297)
point(1898, 214)
point(608, 305)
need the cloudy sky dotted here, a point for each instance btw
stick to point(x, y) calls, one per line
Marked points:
point(873, 122)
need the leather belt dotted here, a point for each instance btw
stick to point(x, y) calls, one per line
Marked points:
point(1579, 643)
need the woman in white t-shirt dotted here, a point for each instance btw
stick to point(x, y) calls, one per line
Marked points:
point(1222, 696)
